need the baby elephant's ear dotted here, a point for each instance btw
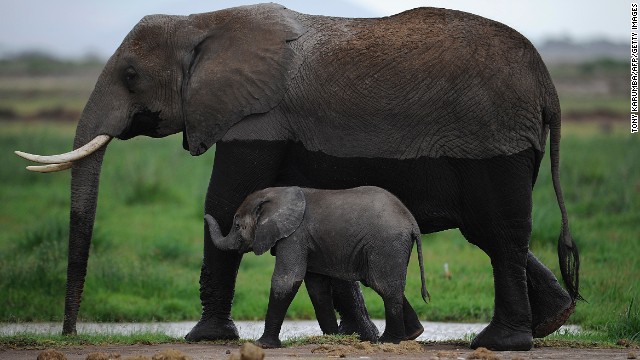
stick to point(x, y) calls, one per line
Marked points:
point(280, 214)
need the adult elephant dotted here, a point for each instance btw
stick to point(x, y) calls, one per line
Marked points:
point(445, 109)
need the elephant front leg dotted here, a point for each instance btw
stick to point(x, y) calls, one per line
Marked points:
point(289, 271)
point(240, 168)
point(217, 284)
point(282, 293)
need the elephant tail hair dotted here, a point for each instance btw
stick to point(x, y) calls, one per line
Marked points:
point(425, 294)
point(567, 249)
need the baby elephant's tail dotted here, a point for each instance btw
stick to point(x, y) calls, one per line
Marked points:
point(425, 294)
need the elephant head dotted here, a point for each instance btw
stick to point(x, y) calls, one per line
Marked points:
point(263, 218)
point(199, 74)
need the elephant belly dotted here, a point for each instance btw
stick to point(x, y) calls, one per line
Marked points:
point(431, 199)
point(434, 189)
point(338, 264)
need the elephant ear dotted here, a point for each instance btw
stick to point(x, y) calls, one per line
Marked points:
point(240, 66)
point(280, 213)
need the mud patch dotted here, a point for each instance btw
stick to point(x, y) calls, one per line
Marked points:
point(366, 347)
point(51, 354)
point(171, 354)
point(248, 351)
point(166, 354)
point(103, 356)
point(483, 354)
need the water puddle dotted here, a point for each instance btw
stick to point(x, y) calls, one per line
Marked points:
point(433, 331)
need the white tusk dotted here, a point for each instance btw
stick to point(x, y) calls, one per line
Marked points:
point(74, 155)
point(50, 168)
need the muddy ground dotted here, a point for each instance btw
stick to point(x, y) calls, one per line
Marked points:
point(408, 350)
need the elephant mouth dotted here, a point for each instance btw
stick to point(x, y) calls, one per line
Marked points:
point(143, 122)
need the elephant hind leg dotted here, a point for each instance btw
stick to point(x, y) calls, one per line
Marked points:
point(394, 318)
point(387, 277)
point(506, 244)
point(496, 216)
point(354, 317)
point(510, 327)
point(412, 326)
point(320, 293)
point(550, 303)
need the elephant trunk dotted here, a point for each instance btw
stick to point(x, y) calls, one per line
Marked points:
point(221, 242)
point(85, 178)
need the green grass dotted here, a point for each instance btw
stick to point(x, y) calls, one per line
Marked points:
point(31, 341)
point(147, 248)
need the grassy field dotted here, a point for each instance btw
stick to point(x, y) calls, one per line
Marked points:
point(147, 248)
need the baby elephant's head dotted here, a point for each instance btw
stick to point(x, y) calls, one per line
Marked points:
point(264, 217)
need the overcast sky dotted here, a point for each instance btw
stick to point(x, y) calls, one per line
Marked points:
point(77, 27)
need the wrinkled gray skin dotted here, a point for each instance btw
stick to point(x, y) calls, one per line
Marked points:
point(447, 110)
point(362, 234)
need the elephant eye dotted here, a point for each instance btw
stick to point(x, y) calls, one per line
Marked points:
point(129, 78)
point(237, 226)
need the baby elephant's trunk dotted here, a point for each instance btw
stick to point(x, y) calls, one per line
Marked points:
point(221, 242)
point(425, 294)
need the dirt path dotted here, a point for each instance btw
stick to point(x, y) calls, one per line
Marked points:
point(410, 350)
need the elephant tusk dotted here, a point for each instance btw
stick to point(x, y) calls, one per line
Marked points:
point(50, 168)
point(74, 155)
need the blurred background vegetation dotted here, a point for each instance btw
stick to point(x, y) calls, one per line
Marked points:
point(147, 245)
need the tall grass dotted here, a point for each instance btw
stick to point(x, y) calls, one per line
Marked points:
point(147, 247)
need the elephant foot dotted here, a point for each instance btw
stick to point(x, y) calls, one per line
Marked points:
point(387, 338)
point(501, 338)
point(267, 342)
point(552, 323)
point(412, 335)
point(550, 303)
point(213, 329)
point(367, 331)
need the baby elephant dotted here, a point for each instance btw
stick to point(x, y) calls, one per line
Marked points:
point(363, 234)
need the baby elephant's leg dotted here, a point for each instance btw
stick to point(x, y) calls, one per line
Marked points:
point(287, 276)
point(394, 317)
point(389, 283)
point(412, 326)
point(319, 289)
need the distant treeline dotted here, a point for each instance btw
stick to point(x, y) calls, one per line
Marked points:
point(594, 87)
point(569, 51)
point(41, 63)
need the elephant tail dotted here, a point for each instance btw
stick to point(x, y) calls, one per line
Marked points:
point(425, 294)
point(567, 249)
